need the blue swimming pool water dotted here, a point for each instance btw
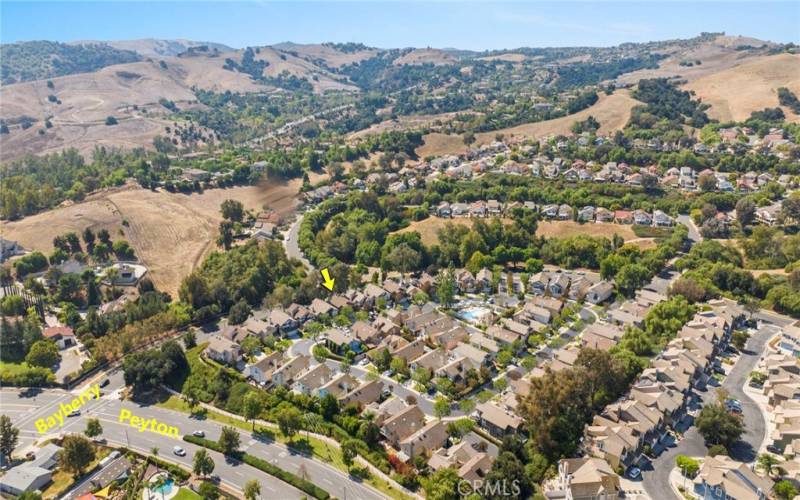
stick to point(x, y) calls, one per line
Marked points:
point(472, 313)
point(164, 489)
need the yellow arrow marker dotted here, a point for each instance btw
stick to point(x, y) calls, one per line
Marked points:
point(328, 283)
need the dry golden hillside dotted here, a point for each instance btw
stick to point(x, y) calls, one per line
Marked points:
point(422, 56)
point(611, 111)
point(736, 92)
point(329, 55)
point(170, 232)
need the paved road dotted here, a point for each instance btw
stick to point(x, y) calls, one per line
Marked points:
point(291, 244)
point(25, 410)
point(755, 426)
point(656, 479)
point(687, 221)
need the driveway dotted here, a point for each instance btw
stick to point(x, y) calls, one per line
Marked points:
point(687, 221)
point(656, 477)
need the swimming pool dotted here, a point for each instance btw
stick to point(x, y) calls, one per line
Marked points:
point(473, 314)
point(164, 489)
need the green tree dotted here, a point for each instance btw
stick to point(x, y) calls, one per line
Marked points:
point(229, 440)
point(329, 407)
point(239, 312)
point(446, 289)
point(349, 452)
point(43, 353)
point(442, 484)
point(441, 407)
point(767, 462)
point(745, 211)
point(76, 454)
point(718, 426)
point(202, 464)
point(208, 491)
point(9, 436)
point(252, 407)
point(785, 490)
point(232, 210)
point(289, 421)
point(687, 465)
point(93, 428)
point(252, 489)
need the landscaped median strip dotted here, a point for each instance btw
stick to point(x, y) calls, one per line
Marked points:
point(262, 465)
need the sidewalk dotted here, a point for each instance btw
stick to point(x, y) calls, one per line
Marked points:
point(326, 439)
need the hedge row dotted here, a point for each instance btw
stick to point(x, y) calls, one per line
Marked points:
point(285, 476)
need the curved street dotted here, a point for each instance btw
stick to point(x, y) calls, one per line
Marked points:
point(25, 409)
point(656, 477)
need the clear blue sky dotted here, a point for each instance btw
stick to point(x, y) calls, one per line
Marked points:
point(467, 25)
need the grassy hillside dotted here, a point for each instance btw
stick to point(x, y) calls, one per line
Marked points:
point(40, 60)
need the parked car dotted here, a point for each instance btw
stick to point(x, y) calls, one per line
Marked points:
point(199, 434)
point(179, 451)
point(634, 473)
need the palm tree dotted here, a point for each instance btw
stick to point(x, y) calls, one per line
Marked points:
point(767, 462)
point(159, 483)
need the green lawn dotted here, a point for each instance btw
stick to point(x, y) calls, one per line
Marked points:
point(13, 368)
point(187, 494)
point(323, 451)
point(651, 231)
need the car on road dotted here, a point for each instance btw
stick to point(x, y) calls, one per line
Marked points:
point(733, 406)
point(634, 473)
point(199, 434)
point(179, 451)
point(105, 382)
point(74, 413)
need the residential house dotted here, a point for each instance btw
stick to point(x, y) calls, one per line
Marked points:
point(722, 478)
point(288, 372)
point(465, 281)
point(321, 308)
point(339, 386)
point(642, 218)
point(537, 283)
point(223, 350)
point(662, 219)
point(339, 341)
point(599, 292)
point(586, 213)
point(558, 285)
point(282, 322)
point(403, 424)
point(261, 371)
point(550, 211)
point(365, 332)
point(366, 393)
point(623, 216)
point(498, 421)
point(601, 336)
point(431, 437)
point(603, 215)
point(63, 336)
point(565, 212)
point(583, 478)
point(312, 379)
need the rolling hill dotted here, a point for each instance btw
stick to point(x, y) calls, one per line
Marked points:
point(128, 79)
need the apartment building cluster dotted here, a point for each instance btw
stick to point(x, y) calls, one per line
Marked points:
point(781, 389)
point(638, 424)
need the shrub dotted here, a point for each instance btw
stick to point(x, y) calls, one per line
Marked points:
point(688, 466)
point(286, 476)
